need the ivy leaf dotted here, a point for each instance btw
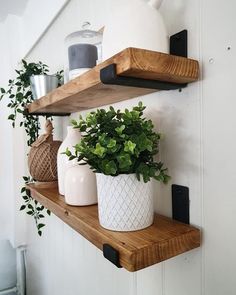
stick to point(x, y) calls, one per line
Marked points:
point(40, 225)
point(11, 117)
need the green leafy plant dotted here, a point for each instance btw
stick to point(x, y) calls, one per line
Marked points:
point(19, 95)
point(116, 142)
point(32, 206)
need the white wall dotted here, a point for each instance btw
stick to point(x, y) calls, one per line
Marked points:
point(198, 124)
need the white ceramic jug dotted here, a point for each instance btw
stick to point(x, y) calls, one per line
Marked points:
point(80, 185)
point(134, 23)
point(73, 137)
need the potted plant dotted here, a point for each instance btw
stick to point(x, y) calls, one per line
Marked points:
point(19, 94)
point(120, 148)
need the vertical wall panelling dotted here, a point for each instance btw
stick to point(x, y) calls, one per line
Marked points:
point(219, 59)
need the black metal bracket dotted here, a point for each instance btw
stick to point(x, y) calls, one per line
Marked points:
point(180, 203)
point(178, 46)
point(108, 76)
point(26, 113)
point(111, 254)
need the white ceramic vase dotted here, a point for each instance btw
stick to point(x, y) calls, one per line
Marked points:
point(73, 137)
point(134, 23)
point(124, 203)
point(80, 186)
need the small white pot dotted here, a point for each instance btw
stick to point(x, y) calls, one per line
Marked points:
point(80, 186)
point(124, 203)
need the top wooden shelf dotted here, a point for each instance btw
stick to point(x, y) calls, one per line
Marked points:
point(164, 239)
point(87, 91)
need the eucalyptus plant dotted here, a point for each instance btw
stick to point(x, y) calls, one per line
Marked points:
point(115, 142)
point(20, 95)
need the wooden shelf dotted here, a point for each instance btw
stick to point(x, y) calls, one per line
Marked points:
point(166, 238)
point(87, 91)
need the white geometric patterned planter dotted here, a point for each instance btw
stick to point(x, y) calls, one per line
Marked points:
point(124, 203)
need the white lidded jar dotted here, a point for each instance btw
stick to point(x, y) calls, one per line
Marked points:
point(134, 23)
point(80, 185)
point(73, 137)
point(83, 51)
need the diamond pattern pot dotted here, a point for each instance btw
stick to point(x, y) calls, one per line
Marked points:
point(124, 203)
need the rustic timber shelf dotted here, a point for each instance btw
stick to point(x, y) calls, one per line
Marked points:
point(166, 238)
point(147, 71)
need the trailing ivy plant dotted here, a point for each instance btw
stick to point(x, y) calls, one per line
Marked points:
point(116, 142)
point(32, 206)
point(19, 95)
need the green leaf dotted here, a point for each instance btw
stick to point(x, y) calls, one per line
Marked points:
point(11, 117)
point(99, 151)
point(111, 144)
point(110, 168)
point(22, 207)
point(129, 146)
point(120, 129)
point(67, 152)
point(73, 122)
point(124, 160)
point(41, 225)
point(3, 90)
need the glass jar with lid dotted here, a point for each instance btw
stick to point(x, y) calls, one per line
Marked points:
point(83, 51)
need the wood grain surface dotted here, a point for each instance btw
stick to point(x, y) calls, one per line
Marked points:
point(166, 238)
point(87, 91)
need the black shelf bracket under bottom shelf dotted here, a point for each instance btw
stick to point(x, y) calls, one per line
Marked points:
point(112, 255)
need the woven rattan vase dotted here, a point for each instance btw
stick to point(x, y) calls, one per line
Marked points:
point(42, 158)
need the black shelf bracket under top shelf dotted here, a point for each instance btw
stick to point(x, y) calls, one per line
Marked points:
point(178, 46)
point(108, 76)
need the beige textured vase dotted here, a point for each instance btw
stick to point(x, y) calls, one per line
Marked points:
point(124, 203)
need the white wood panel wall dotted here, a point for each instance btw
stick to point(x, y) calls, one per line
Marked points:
point(199, 149)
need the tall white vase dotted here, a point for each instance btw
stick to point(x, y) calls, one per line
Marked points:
point(73, 137)
point(134, 23)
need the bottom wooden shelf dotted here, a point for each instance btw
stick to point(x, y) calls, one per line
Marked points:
point(166, 238)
